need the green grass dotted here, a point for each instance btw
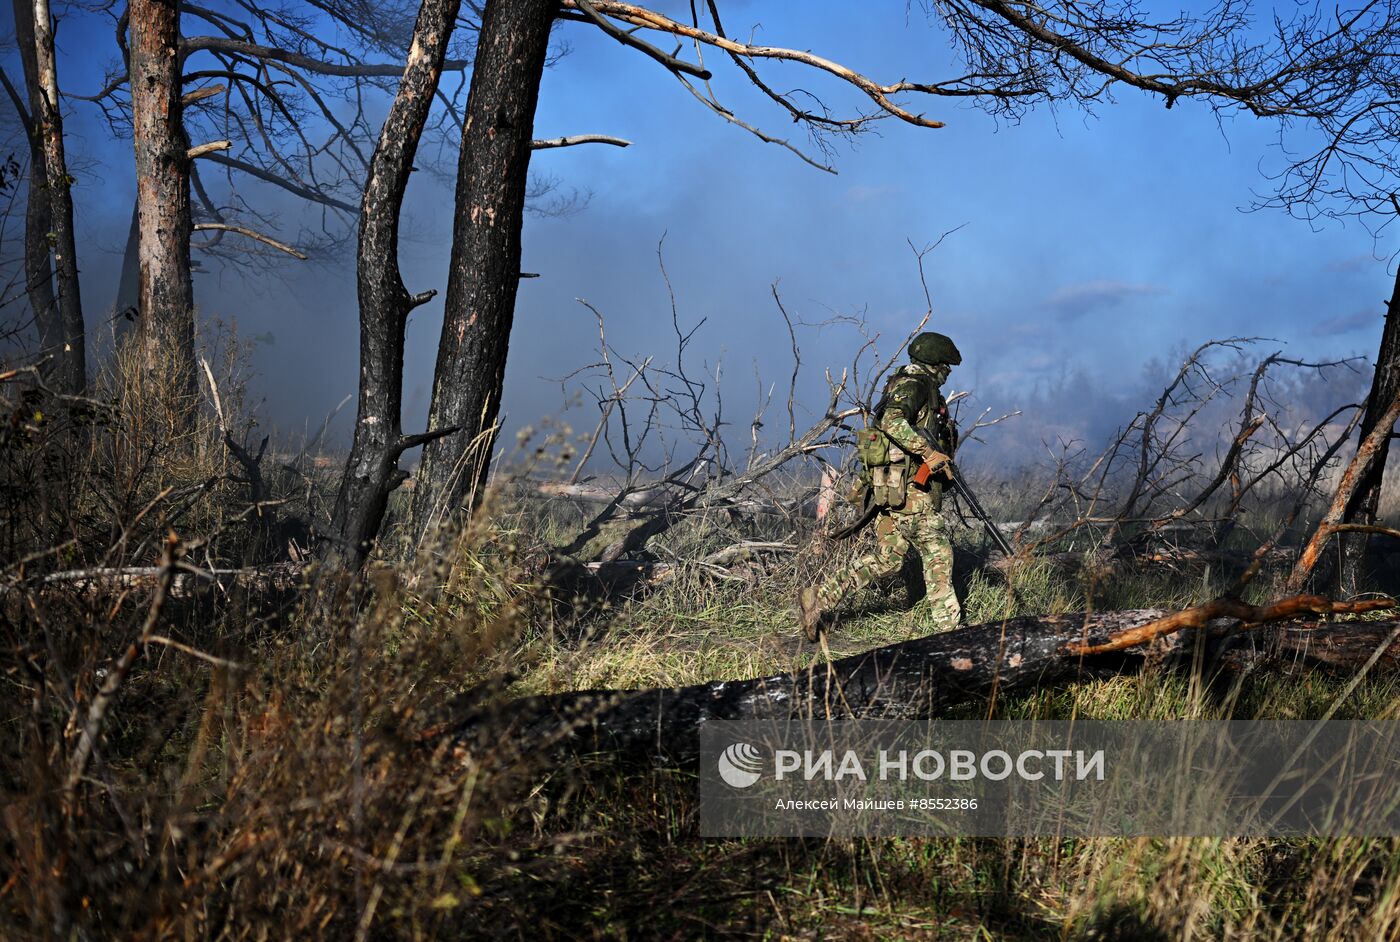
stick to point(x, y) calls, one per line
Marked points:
point(615, 855)
point(281, 801)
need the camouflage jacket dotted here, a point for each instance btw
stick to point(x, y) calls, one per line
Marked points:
point(912, 400)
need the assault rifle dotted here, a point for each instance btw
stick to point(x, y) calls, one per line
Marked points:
point(964, 492)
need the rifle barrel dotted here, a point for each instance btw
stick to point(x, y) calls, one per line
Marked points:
point(966, 494)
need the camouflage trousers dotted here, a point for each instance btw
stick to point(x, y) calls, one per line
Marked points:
point(918, 525)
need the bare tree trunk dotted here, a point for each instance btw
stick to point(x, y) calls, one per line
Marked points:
point(485, 266)
point(38, 272)
point(1366, 501)
point(372, 470)
point(51, 227)
point(162, 192)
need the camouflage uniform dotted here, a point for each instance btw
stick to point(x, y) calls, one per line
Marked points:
point(911, 397)
point(919, 525)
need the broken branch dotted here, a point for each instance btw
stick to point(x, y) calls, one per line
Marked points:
point(1247, 614)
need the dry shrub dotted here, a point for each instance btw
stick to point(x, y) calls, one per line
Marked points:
point(289, 780)
point(105, 475)
point(266, 767)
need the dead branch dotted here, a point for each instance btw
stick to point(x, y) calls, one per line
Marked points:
point(186, 580)
point(573, 140)
point(195, 652)
point(252, 234)
point(1364, 528)
point(746, 549)
point(644, 499)
point(1201, 615)
point(1356, 470)
point(97, 713)
point(207, 148)
point(630, 39)
point(251, 463)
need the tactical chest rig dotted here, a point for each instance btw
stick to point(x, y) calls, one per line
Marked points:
point(888, 468)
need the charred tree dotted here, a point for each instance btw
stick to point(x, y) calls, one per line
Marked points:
point(1385, 384)
point(53, 286)
point(485, 264)
point(372, 470)
point(923, 678)
point(166, 293)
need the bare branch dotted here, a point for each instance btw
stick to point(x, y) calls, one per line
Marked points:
point(647, 19)
point(97, 713)
point(576, 139)
point(199, 94)
point(254, 50)
point(244, 231)
point(201, 150)
point(268, 177)
point(1201, 615)
point(627, 39)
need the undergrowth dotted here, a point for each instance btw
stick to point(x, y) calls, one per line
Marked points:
point(278, 765)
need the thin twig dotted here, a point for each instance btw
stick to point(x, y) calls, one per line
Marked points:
point(98, 711)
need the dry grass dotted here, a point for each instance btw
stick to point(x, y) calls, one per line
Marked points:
point(297, 790)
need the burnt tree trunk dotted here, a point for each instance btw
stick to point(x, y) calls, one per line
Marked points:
point(166, 293)
point(913, 680)
point(38, 272)
point(1365, 502)
point(485, 264)
point(51, 233)
point(372, 470)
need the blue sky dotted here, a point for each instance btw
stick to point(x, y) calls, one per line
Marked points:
point(1083, 242)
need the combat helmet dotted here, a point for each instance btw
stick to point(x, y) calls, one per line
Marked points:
point(933, 349)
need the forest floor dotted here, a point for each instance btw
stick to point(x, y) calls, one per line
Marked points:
point(274, 765)
point(616, 855)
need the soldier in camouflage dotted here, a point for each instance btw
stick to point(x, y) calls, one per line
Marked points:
point(910, 514)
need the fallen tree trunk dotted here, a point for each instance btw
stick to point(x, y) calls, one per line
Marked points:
point(1342, 648)
point(661, 497)
point(912, 680)
point(186, 582)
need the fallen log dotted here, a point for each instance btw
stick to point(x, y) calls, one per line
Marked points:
point(1226, 609)
point(187, 581)
point(912, 680)
point(1303, 647)
point(661, 497)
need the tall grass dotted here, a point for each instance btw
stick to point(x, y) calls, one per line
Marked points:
point(281, 770)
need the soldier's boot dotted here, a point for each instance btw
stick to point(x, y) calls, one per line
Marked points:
point(810, 613)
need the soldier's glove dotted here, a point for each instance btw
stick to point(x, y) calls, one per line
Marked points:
point(936, 460)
